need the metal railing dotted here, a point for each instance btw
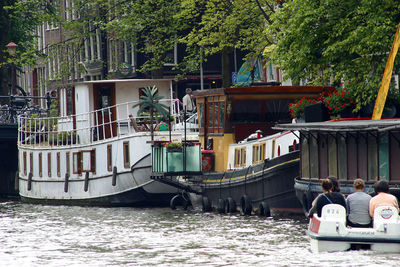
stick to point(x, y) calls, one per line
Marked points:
point(87, 128)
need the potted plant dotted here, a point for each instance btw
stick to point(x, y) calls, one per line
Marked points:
point(174, 147)
point(340, 103)
point(296, 109)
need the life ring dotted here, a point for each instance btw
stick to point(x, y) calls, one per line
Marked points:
point(175, 201)
point(206, 205)
point(264, 210)
point(245, 205)
point(230, 205)
point(221, 206)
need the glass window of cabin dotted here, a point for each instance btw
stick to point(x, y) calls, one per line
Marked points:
point(40, 163)
point(31, 162)
point(383, 157)
point(58, 164)
point(352, 157)
point(372, 158)
point(243, 156)
point(245, 111)
point(277, 110)
point(313, 155)
point(394, 151)
point(305, 156)
point(69, 99)
point(216, 115)
point(332, 156)
point(126, 154)
point(49, 164)
point(342, 157)
point(237, 157)
point(67, 163)
point(109, 158)
point(24, 159)
point(221, 114)
point(201, 114)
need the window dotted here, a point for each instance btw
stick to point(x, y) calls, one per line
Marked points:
point(49, 164)
point(109, 158)
point(58, 164)
point(240, 157)
point(67, 163)
point(171, 58)
point(77, 162)
point(216, 114)
point(40, 164)
point(258, 153)
point(31, 162)
point(126, 154)
point(24, 159)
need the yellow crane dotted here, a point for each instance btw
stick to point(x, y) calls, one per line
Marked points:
point(387, 75)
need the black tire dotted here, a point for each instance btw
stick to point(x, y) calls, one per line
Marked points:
point(175, 201)
point(221, 206)
point(230, 205)
point(264, 210)
point(206, 204)
point(245, 205)
point(186, 203)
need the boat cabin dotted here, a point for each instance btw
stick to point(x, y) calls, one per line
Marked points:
point(349, 149)
point(228, 116)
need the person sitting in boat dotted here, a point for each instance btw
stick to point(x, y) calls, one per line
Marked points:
point(328, 197)
point(358, 206)
point(336, 188)
point(383, 198)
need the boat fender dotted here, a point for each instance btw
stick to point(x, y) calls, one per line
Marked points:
point(264, 210)
point(175, 201)
point(29, 181)
point(245, 205)
point(206, 205)
point(221, 206)
point(114, 176)
point(307, 200)
point(86, 185)
point(230, 205)
point(66, 182)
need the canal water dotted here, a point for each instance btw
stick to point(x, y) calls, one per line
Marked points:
point(36, 235)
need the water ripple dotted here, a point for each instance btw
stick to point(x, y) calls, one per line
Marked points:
point(36, 235)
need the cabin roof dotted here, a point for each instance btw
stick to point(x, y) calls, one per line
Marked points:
point(264, 91)
point(359, 125)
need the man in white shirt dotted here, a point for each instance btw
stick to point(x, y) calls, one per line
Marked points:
point(187, 101)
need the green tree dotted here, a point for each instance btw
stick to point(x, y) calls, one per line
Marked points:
point(347, 40)
point(18, 22)
point(150, 101)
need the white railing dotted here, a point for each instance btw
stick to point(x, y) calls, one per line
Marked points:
point(87, 128)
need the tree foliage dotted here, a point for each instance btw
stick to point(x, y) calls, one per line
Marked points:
point(344, 40)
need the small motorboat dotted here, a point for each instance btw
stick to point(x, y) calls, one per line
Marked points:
point(330, 233)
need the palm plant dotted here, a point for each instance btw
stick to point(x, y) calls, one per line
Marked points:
point(150, 101)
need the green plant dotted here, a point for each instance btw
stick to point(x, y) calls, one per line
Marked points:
point(174, 145)
point(296, 109)
point(338, 100)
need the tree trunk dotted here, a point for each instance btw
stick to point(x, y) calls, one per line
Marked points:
point(226, 71)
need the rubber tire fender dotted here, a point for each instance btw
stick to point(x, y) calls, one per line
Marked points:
point(205, 204)
point(221, 206)
point(175, 201)
point(245, 205)
point(264, 210)
point(230, 205)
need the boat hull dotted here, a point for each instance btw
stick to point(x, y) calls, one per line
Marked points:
point(272, 183)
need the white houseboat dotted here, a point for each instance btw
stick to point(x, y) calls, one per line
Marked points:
point(97, 151)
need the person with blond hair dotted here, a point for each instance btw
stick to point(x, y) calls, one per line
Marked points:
point(358, 206)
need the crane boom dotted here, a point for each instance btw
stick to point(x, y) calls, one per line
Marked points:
point(387, 75)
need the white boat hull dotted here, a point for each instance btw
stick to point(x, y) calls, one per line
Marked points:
point(329, 232)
